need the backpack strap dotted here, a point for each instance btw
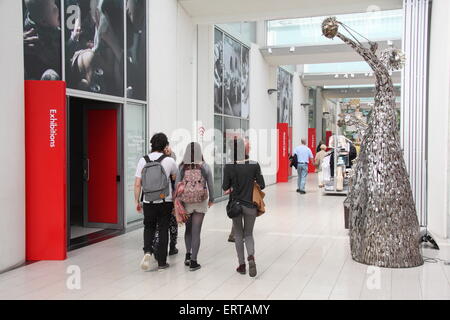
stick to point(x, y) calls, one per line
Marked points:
point(147, 159)
point(161, 158)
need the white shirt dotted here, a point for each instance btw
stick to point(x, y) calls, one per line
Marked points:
point(169, 165)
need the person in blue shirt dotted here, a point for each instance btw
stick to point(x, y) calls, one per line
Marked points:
point(304, 154)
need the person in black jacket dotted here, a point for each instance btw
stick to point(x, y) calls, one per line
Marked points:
point(239, 179)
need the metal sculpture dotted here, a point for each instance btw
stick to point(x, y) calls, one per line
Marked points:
point(384, 227)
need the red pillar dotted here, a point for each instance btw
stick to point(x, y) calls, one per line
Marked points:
point(312, 143)
point(283, 150)
point(46, 186)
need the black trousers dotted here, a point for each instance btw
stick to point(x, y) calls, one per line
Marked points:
point(156, 218)
point(173, 234)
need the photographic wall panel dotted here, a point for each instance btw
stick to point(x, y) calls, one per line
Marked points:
point(232, 77)
point(136, 49)
point(245, 107)
point(42, 40)
point(94, 46)
point(231, 98)
point(285, 96)
point(218, 71)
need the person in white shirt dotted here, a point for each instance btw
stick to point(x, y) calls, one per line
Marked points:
point(304, 155)
point(156, 214)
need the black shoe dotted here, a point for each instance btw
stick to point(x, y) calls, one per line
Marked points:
point(194, 266)
point(242, 269)
point(187, 260)
point(173, 251)
point(163, 266)
point(302, 192)
point(231, 238)
point(298, 190)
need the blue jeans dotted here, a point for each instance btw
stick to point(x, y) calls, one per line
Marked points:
point(302, 170)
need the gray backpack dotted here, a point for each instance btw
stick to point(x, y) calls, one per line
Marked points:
point(155, 184)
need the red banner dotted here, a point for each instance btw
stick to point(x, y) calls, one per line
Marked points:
point(312, 144)
point(45, 135)
point(283, 152)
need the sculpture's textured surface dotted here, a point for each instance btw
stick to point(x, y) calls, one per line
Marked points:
point(384, 228)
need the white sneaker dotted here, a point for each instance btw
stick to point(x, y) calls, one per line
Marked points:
point(145, 264)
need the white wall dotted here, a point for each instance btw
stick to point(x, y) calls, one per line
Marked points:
point(263, 114)
point(12, 139)
point(438, 120)
point(300, 114)
point(172, 64)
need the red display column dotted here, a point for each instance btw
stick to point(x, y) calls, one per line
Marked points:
point(290, 150)
point(283, 150)
point(45, 134)
point(312, 143)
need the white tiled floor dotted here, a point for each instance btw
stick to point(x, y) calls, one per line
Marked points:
point(302, 253)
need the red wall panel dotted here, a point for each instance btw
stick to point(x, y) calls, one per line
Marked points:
point(46, 183)
point(283, 150)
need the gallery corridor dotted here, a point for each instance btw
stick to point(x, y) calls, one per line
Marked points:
point(302, 252)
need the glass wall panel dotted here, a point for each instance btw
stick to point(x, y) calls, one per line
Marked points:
point(135, 148)
point(218, 155)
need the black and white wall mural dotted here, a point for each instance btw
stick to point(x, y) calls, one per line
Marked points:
point(218, 71)
point(42, 39)
point(245, 86)
point(231, 76)
point(91, 34)
point(231, 98)
point(136, 15)
point(94, 33)
point(285, 98)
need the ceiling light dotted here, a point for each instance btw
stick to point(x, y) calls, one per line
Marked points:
point(346, 76)
point(352, 75)
point(269, 50)
point(292, 49)
point(336, 76)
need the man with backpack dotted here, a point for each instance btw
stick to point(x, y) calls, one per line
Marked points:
point(153, 194)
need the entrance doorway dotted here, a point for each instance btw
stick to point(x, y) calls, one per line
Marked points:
point(95, 197)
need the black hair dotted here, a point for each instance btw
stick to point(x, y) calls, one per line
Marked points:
point(159, 142)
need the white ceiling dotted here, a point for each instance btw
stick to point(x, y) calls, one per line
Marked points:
point(224, 11)
point(328, 53)
point(330, 80)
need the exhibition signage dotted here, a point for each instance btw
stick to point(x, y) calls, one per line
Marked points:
point(291, 151)
point(283, 150)
point(312, 143)
point(45, 143)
